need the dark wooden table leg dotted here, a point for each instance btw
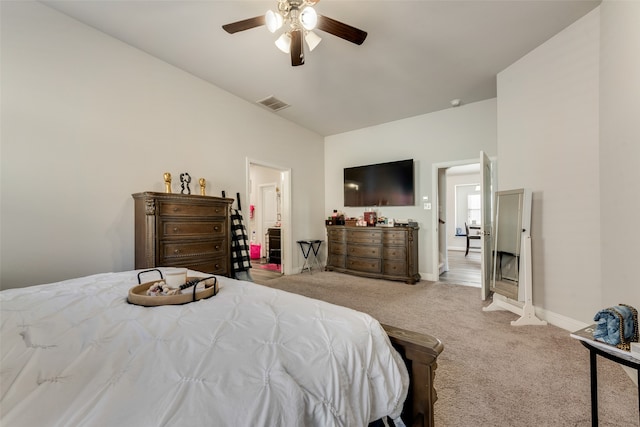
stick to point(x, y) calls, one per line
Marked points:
point(602, 350)
point(594, 388)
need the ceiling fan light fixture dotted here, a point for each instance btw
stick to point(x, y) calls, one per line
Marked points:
point(308, 18)
point(273, 20)
point(312, 40)
point(284, 42)
point(293, 21)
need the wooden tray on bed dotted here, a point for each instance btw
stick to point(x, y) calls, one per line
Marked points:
point(138, 294)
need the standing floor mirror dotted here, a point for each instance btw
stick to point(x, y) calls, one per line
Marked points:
point(511, 273)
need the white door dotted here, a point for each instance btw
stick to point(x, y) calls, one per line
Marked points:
point(486, 207)
point(269, 206)
point(443, 264)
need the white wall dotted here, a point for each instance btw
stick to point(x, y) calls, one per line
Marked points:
point(448, 135)
point(548, 142)
point(619, 151)
point(87, 121)
point(568, 129)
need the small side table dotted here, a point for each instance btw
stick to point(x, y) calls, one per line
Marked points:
point(310, 248)
point(622, 359)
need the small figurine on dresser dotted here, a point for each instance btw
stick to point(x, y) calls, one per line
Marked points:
point(203, 184)
point(167, 182)
point(185, 179)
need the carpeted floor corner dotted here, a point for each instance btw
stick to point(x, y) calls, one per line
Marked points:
point(490, 373)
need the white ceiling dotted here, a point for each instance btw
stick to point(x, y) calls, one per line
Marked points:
point(418, 56)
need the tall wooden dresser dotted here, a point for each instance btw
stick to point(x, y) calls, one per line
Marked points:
point(180, 230)
point(274, 246)
point(378, 252)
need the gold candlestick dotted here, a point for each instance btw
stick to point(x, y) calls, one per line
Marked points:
point(203, 184)
point(167, 182)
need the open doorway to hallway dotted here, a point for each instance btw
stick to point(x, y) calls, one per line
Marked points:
point(268, 224)
point(463, 270)
point(458, 188)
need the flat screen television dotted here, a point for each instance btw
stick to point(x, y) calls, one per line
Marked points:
point(382, 184)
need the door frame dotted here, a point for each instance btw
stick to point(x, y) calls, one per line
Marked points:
point(435, 225)
point(285, 194)
point(487, 179)
point(440, 209)
point(262, 226)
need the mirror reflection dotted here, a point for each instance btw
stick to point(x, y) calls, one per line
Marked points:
point(508, 232)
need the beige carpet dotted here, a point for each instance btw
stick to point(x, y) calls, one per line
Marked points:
point(490, 373)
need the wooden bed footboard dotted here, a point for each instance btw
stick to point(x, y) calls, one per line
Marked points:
point(420, 353)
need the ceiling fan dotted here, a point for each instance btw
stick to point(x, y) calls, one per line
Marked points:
point(300, 19)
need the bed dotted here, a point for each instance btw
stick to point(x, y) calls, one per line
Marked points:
point(77, 353)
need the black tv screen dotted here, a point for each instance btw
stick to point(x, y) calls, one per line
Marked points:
point(382, 184)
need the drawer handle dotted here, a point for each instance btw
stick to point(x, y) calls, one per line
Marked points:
point(176, 209)
point(216, 228)
point(175, 229)
point(177, 251)
point(217, 247)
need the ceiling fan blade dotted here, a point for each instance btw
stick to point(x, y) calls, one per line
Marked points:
point(297, 54)
point(245, 24)
point(338, 29)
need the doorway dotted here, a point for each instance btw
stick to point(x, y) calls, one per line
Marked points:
point(269, 224)
point(458, 184)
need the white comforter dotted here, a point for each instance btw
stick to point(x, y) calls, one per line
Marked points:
point(75, 353)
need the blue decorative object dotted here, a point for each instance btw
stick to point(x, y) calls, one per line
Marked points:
point(616, 325)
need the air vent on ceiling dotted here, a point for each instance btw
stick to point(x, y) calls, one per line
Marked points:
point(273, 103)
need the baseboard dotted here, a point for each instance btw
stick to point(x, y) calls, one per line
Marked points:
point(441, 268)
point(428, 276)
point(564, 322)
point(550, 317)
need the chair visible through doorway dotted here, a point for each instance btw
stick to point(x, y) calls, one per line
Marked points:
point(471, 237)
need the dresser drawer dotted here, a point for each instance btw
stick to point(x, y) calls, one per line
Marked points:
point(216, 265)
point(364, 236)
point(339, 261)
point(395, 237)
point(170, 250)
point(395, 267)
point(394, 252)
point(201, 229)
point(191, 210)
point(338, 248)
point(336, 234)
point(364, 251)
point(369, 265)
